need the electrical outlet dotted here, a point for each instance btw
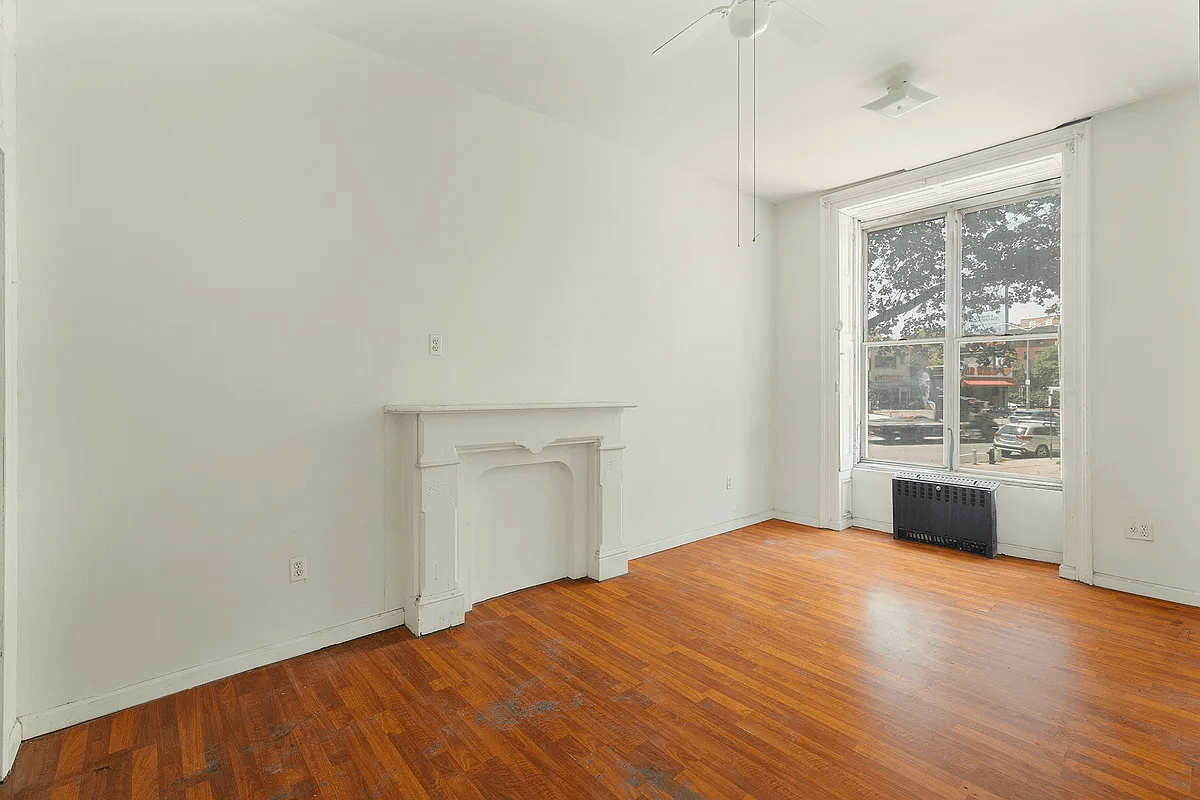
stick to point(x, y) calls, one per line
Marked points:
point(729, 483)
point(435, 344)
point(299, 569)
point(1142, 531)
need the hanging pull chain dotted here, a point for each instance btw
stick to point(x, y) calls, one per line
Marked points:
point(754, 129)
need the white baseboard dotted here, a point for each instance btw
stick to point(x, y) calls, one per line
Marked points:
point(1067, 572)
point(798, 519)
point(873, 525)
point(703, 533)
point(68, 714)
point(11, 745)
point(1158, 591)
point(1030, 553)
point(1003, 548)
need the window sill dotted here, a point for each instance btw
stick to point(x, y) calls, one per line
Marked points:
point(1002, 478)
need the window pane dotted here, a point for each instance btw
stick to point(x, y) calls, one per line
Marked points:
point(1009, 400)
point(1011, 259)
point(904, 403)
point(906, 282)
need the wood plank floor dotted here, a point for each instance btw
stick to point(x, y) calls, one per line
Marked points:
point(774, 662)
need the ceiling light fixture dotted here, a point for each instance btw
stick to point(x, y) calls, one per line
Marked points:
point(900, 100)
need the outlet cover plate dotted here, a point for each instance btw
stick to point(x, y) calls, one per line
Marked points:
point(1140, 531)
point(298, 569)
point(435, 344)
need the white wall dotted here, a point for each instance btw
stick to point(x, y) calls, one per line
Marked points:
point(1145, 255)
point(797, 330)
point(237, 234)
point(1145, 387)
point(9, 608)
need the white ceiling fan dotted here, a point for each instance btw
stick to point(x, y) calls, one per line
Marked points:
point(748, 19)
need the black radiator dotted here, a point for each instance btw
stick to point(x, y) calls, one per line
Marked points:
point(946, 510)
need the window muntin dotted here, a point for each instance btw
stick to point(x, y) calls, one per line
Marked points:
point(1001, 297)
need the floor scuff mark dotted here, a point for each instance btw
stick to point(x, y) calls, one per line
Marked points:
point(654, 776)
point(516, 709)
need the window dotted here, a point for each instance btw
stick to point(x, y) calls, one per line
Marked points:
point(852, 470)
point(960, 335)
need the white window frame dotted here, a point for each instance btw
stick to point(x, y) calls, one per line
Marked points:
point(953, 339)
point(1060, 155)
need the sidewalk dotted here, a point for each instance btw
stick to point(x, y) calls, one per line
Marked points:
point(1033, 467)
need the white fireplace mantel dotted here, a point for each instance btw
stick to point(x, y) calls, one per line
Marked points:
point(433, 462)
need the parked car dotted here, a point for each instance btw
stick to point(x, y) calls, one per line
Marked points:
point(1048, 416)
point(898, 426)
point(1028, 439)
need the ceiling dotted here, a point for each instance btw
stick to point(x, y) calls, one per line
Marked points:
point(1003, 69)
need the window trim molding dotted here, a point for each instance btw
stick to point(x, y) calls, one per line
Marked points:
point(1063, 152)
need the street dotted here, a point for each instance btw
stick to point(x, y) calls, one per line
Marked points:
point(972, 455)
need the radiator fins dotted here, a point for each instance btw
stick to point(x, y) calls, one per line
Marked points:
point(946, 511)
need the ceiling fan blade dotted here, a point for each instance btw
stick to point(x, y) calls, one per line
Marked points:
point(688, 36)
point(803, 30)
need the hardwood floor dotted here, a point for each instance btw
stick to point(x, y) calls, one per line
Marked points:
point(774, 662)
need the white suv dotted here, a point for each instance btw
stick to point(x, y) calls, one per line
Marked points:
point(1046, 416)
point(1028, 439)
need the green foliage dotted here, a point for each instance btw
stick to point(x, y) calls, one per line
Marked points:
point(1045, 375)
point(906, 281)
point(1019, 376)
point(1011, 255)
